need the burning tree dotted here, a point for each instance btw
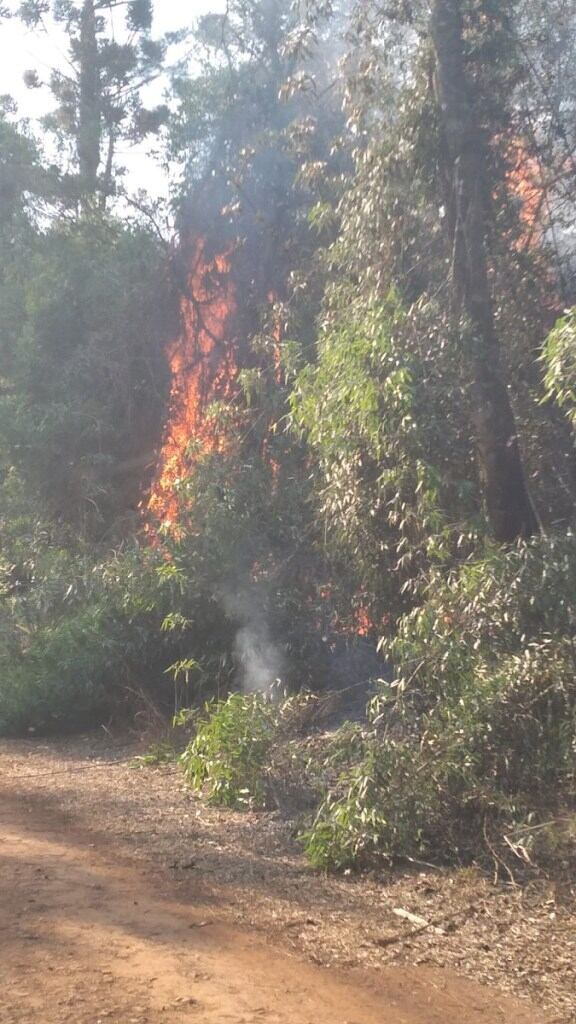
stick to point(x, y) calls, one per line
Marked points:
point(204, 369)
point(243, 226)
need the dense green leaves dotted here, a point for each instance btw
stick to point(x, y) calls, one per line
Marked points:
point(228, 753)
point(83, 323)
point(379, 413)
point(560, 363)
point(473, 746)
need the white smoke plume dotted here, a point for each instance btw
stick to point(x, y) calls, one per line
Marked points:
point(261, 664)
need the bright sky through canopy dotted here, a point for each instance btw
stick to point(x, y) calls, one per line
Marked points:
point(24, 49)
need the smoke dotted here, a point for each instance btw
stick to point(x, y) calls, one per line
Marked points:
point(260, 662)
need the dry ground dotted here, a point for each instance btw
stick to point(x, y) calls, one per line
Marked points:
point(125, 900)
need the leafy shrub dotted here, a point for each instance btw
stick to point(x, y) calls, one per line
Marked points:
point(226, 758)
point(76, 636)
point(248, 751)
point(488, 609)
point(560, 362)
point(58, 680)
point(479, 744)
point(378, 409)
point(376, 810)
point(80, 627)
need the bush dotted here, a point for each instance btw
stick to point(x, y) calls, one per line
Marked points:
point(560, 362)
point(80, 626)
point(476, 748)
point(226, 758)
point(248, 751)
point(58, 681)
point(76, 636)
point(377, 810)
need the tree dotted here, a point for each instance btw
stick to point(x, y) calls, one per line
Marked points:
point(427, 379)
point(99, 102)
point(508, 503)
point(26, 185)
point(255, 115)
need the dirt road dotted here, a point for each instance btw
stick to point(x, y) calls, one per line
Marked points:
point(88, 935)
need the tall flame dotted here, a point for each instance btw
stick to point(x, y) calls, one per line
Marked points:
point(203, 363)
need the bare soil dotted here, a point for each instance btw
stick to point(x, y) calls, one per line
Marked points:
point(124, 900)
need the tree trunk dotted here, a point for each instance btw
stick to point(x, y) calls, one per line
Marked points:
point(509, 507)
point(89, 119)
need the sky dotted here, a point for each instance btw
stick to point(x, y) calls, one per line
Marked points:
point(23, 49)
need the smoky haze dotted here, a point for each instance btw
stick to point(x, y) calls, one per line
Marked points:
point(260, 663)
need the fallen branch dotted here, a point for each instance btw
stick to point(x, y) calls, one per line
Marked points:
point(421, 923)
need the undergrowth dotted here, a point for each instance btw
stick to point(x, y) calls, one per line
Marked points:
point(469, 756)
point(473, 749)
point(227, 757)
point(79, 639)
point(234, 757)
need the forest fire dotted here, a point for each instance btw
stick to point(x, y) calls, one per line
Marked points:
point(526, 185)
point(204, 367)
point(364, 625)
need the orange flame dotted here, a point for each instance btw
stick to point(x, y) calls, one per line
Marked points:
point(526, 184)
point(203, 362)
point(359, 623)
point(364, 625)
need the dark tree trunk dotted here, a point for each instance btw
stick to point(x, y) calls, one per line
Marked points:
point(509, 507)
point(89, 115)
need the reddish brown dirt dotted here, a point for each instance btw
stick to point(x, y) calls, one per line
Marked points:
point(90, 935)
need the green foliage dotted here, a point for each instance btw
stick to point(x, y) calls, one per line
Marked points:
point(475, 744)
point(253, 750)
point(227, 757)
point(378, 412)
point(75, 636)
point(24, 182)
point(560, 362)
point(377, 811)
point(491, 609)
point(82, 322)
point(81, 635)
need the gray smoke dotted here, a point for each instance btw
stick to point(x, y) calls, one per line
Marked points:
point(260, 662)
